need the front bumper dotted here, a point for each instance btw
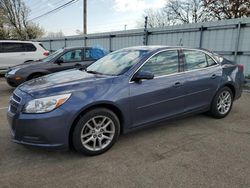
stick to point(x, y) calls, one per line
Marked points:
point(13, 81)
point(48, 130)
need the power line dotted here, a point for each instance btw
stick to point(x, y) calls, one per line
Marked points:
point(43, 8)
point(56, 9)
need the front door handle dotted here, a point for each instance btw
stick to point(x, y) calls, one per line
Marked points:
point(213, 76)
point(178, 84)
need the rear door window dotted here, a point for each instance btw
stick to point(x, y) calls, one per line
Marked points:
point(87, 54)
point(197, 60)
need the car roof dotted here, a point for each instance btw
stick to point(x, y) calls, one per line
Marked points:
point(161, 47)
point(19, 41)
point(75, 47)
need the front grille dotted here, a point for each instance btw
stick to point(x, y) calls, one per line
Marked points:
point(16, 98)
point(14, 103)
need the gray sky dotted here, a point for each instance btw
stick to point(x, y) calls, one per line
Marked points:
point(103, 15)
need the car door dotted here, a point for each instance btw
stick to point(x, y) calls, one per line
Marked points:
point(88, 60)
point(202, 75)
point(162, 96)
point(68, 60)
point(31, 53)
point(12, 54)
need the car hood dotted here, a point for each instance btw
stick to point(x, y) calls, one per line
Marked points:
point(63, 82)
point(29, 64)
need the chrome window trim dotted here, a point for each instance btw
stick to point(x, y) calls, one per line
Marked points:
point(164, 50)
point(199, 50)
point(185, 71)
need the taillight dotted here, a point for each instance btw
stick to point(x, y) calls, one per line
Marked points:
point(46, 53)
point(241, 68)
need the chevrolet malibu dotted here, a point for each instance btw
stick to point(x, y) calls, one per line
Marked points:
point(125, 90)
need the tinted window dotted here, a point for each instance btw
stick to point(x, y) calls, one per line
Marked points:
point(12, 47)
point(72, 56)
point(8, 47)
point(163, 63)
point(29, 47)
point(197, 60)
point(1, 50)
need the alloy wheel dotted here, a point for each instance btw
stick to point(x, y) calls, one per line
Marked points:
point(224, 102)
point(97, 133)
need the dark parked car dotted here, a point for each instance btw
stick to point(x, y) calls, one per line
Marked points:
point(127, 89)
point(62, 59)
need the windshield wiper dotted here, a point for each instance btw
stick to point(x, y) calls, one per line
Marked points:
point(92, 72)
point(95, 72)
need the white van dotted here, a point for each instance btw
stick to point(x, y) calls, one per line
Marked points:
point(16, 52)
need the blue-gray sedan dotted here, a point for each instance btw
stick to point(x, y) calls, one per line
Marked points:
point(125, 90)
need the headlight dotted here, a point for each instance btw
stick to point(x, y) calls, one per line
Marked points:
point(45, 104)
point(13, 71)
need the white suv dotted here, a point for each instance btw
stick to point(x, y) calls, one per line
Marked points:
point(16, 52)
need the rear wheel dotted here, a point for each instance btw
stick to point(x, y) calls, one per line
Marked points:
point(96, 132)
point(222, 103)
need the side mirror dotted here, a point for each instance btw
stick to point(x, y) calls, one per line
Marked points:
point(143, 75)
point(59, 61)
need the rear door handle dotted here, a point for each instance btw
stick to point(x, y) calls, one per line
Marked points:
point(213, 76)
point(178, 84)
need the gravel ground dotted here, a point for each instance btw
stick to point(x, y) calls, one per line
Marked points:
point(197, 151)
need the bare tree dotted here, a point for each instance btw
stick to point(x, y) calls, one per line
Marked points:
point(227, 9)
point(15, 14)
point(55, 34)
point(156, 18)
point(79, 32)
point(185, 11)
point(4, 33)
point(177, 12)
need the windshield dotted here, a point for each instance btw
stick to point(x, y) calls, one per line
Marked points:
point(52, 56)
point(116, 63)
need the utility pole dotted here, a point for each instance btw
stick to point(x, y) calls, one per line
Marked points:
point(84, 16)
point(145, 33)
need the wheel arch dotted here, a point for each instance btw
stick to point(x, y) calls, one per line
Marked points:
point(110, 106)
point(38, 72)
point(231, 87)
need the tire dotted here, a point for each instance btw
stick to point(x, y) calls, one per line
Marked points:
point(96, 132)
point(28, 61)
point(222, 103)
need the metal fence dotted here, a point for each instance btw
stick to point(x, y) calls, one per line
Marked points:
point(230, 38)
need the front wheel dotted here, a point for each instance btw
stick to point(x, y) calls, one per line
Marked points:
point(222, 103)
point(96, 132)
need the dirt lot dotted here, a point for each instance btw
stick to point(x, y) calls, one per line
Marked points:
point(197, 151)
